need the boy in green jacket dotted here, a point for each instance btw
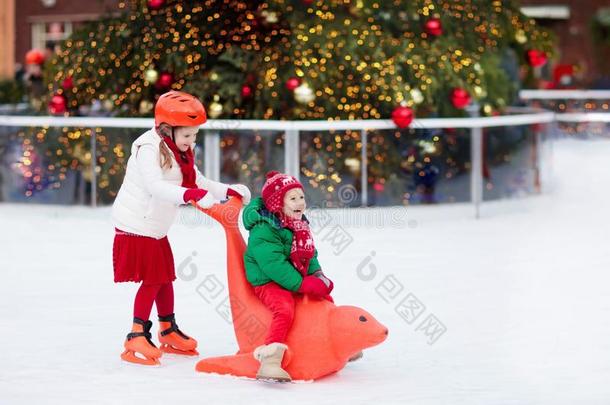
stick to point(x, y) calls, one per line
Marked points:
point(280, 260)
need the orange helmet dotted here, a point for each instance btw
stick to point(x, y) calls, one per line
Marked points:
point(34, 57)
point(179, 109)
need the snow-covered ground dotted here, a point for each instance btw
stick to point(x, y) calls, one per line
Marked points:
point(516, 304)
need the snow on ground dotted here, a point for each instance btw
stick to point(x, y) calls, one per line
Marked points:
point(522, 293)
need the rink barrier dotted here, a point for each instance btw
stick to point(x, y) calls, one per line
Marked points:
point(564, 94)
point(583, 117)
point(212, 129)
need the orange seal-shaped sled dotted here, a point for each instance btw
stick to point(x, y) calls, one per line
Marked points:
point(323, 336)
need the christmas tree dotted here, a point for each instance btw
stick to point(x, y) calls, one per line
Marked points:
point(299, 59)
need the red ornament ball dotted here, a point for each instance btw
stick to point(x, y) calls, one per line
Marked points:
point(433, 27)
point(246, 91)
point(58, 105)
point(292, 83)
point(34, 57)
point(402, 116)
point(536, 58)
point(155, 4)
point(67, 84)
point(165, 81)
point(460, 98)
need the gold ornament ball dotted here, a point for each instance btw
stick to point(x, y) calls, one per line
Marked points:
point(427, 146)
point(107, 105)
point(214, 110)
point(151, 76)
point(520, 36)
point(36, 103)
point(304, 94)
point(416, 96)
point(270, 17)
point(146, 107)
point(480, 92)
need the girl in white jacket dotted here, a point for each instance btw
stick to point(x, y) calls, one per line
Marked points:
point(161, 175)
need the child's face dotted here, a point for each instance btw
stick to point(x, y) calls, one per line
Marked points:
point(185, 137)
point(294, 204)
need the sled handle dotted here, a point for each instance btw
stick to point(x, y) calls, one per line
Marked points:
point(227, 214)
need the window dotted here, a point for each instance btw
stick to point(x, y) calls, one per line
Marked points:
point(49, 34)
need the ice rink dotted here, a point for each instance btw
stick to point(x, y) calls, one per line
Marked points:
point(513, 308)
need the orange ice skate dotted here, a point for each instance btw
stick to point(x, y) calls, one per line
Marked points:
point(173, 340)
point(138, 341)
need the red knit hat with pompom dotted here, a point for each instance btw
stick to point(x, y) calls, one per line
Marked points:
point(274, 189)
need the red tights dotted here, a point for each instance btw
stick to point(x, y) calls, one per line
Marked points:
point(162, 294)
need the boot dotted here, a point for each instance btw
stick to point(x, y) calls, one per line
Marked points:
point(173, 340)
point(138, 341)
point(270, 356)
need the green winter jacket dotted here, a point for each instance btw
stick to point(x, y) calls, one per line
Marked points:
point(267, 255)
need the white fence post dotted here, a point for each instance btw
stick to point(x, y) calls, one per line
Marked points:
point(211, 158)
point(93, 144)
point(476, 161)
point(476, 169)
point(364, 169)
point(292, 161)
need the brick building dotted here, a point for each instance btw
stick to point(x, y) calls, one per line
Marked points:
point(571, 21)
point(27, 24)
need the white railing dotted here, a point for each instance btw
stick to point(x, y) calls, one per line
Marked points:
point(271, 125)
point(583, 117)
point(564, 95)
point(292, 129)
point(575, 107)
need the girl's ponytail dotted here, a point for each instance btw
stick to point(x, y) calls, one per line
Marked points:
point(165, 155)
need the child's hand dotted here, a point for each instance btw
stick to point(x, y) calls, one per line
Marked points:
point(241, 191)
point(327, 281)
point(314, 286)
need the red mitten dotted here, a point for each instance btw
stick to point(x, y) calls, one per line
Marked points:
point(327, 281)
point(194, 194)
point(241, 191)
point(331, 286)
point(314, 286)
point(232, 193)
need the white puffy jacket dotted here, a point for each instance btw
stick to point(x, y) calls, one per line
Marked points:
point(148, 200)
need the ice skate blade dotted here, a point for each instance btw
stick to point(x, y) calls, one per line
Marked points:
point(131, 357)
point(172, 350)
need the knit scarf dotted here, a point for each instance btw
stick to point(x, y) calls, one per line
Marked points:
point(186, 161)
point(302, 249)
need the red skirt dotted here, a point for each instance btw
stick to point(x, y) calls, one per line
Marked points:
point(141, 258)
